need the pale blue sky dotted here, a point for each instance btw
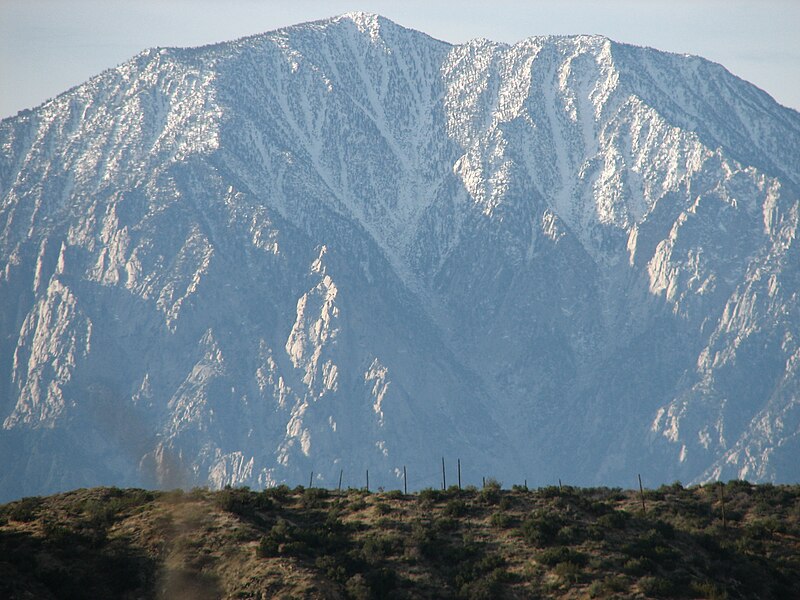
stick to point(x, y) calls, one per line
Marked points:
point(48, 46)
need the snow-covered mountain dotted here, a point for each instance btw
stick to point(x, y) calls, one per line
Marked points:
point(346, 245)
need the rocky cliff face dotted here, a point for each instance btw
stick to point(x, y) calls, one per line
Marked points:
point(346, 245)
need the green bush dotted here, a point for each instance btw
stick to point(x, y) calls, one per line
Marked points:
point(708, 590)
point(279, 493)
point(314, 497)
point(382, 582)
point(490, 496)
point(25, 510)
point(617, 519)
point(569, 572)
point(377, 547)
point(571, 535)
point(561, 554)
point(650, 545)
point(609, 586)
point(550, 491)
point(541, 529)
point(432, 496)
point(639, 566)
point(382, 508)
point(665, 529)
point(455, 508)
point(656, 586)
point(357, 504)
point(501, 520)
point(357, 588)
point(492, 484)
point(486, 587)
point(332, 568)
point(276, 541)
point(242, 502)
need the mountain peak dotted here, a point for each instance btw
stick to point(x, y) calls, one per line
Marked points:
point(527, 242)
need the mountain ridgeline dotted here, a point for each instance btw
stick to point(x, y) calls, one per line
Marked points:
point(345, 245)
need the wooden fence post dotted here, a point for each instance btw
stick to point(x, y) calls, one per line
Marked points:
point(641, 492)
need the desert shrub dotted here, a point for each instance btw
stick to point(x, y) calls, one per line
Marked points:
point(25, 510)
point(314, 497)
point(610, 585)
point(377, 547)
point(617, 519)
point(571, 534)
point(279, 493)
point(541, 529)
point(709, 543)
point(656, 586)
point(486, 587)
point(242, 502)
point(603, 494)
point(381, 582)
point(708, 590)
point(422, 538)
point(763, 528)
point(739, 484)
point(196, 493)
point(638, 566)
point(358, 504)
point(393, 495)
point(431, 496)
point(651, 545)
point(455, 508)
point(569, 572)
point(444, 524)
point(506, 502)
point(653, 495)
point(501, 520)
point(357, 588)
point(276, 541)
point(561, 554)
point(61, 536)
point(492, 483)
point(673, 488)
point(490, 495)
point(382, 508)
point(664, 529)
point(470, 566)
point(99, 514)
point(332, 567)
point(550, 491)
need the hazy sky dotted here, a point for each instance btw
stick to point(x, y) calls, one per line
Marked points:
point(48, 46)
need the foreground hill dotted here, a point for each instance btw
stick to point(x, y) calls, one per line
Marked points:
point(488, 543)
point(347, 245)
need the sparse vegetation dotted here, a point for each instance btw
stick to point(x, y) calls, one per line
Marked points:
point(472, 543)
